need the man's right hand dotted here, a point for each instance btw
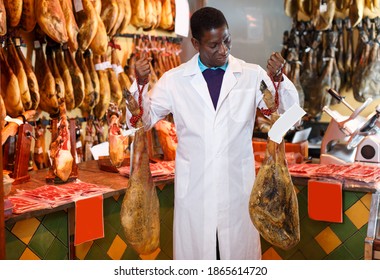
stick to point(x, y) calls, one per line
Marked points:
point(142, 68)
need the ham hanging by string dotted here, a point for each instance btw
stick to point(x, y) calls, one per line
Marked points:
point(3, 19)
point(14, 11)
point(66, 77)
point(18, 69)
point(9, 88)
point(273, 205)
point(28, 16)
point(140, 216)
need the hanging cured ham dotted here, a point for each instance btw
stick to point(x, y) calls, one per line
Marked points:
point(9, 88)
point(3, 113)
point(76, 76)
point(322, 20)
point(51, 19)
point(105, 91)
point(66, 77)
point(119, 18)
point(3, 19)
point(109, 14)
point(167, 19)
point(273, 205)
point(31, 77)
point(60, 148)
point(356, 12)
point(140, 209)
point(89, 93)
point(138, 13)
point(127, 17)
point(117, 142)
point(28, 16)
point(100, 42)
point(88, 57)
point(71, 25)
point(14, 11)
point(18, 69)
point(87, 22)
point(46, 82)
point(116, 91)
point(59, 84)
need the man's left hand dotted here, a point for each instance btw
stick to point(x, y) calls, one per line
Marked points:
point(274, 67)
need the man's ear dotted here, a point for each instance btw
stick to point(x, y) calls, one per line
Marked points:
point(195, 43)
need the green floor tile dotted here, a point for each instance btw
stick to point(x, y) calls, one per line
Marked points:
point(163, 256)
point(363, 230)
point(166, 240)
point(286, 254)
point(340, 253)
point(302, 206)
point(265, 245)
point(297, 256)
point(54, 221)
point(109, 236)
point(57, 251)
point(312, 227)
point(111, 210)
point(349, 199)
point(360, 194)
point(345, 229)
point(168, 191)
point(62, 234)
point(41, 241)
point(96, 253)
point(9, 225)
point(355, 245)
point(130, 254)
point(168, 218)
point(14, 247)
point(165, 205)
point(312, 251)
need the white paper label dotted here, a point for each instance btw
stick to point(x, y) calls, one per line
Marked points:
point(323, 8)
point(285, 122)
point(38, 150)
point(14, 120)
point(118, 69)
point(78, 6)
point(107, 64)
point(37, 44)
point(79, 144)
point(99, 66)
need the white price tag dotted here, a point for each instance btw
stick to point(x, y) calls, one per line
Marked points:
point(323, 8)
point(78, 6)
point(285, 122)
point(79, 144)
point(107, 64)
point(14, 120)
point(99, 66)
point(37, 44)
point(38, 150)
point(119, 69)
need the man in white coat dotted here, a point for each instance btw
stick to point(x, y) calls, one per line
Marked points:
point(213, 98)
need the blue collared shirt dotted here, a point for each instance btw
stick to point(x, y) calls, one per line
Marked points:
point(204, 67)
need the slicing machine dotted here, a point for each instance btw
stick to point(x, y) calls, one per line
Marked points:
point(351, 138)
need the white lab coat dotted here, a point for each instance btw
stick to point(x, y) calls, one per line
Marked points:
point(214, 162)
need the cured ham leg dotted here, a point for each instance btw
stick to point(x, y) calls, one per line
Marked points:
point(3, 19)
point(60, 148)
point(140, 209)
point(273, 205)
point(115, 138)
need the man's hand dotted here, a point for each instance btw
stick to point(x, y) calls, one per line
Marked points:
point(142, 69)
point(274, 67)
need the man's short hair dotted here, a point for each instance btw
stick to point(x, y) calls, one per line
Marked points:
point(205, 19)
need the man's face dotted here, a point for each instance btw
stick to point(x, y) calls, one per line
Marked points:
point(214, 46)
